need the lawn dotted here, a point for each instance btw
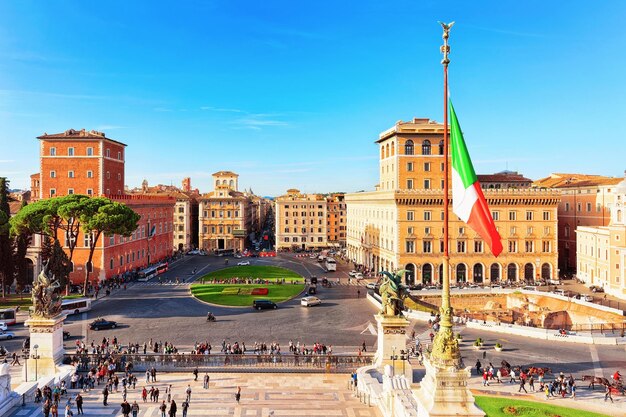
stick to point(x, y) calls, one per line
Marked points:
point(239, 294)
point(24, 301)
point(271, 273)
point(509, 407)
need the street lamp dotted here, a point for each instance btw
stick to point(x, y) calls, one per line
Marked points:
point(36, 357)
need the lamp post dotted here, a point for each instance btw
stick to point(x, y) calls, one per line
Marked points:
point(393, 359)
point(36, 357)
point(404, 356)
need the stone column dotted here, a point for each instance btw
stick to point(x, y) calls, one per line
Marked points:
point(392, 340)
point(47, 334)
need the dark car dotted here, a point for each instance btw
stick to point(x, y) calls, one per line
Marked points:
point(264, 304)
point(66, 335)
point(102, 324)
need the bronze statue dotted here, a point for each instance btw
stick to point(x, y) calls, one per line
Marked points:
point(46, 295)
point(393, 293)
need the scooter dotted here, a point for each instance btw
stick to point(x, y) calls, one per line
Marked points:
point(210, 317)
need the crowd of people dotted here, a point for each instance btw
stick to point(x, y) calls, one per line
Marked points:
point(110, 346)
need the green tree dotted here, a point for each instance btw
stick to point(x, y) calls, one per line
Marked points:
point(69, 210)
point(22, 241)
point(6, 243)
point(100, 215)
point(59, 264)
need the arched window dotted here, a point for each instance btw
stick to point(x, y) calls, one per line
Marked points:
point(478, 273)
point(217, 182)
point(427, 274)
point(546, 271)
point(528, 272)
point(426, 147)
point(232, 183)
point(408, 147)
point(511, 272)
point(393, 148)
point(409, 276)
point(495, 272)
point(224, 182)
point(387, 151)
point(382, 152)
point(440, 147)
point(461, 273)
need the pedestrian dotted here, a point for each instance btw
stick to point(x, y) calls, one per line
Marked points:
point(573, 388)
point(163, 409)
point(512, 380)
point(531, 383)
point(485, 378)
point(147, 371)
point(364, 349)
point(522, 385)
point(185, 406)
point(546, 389)
point(206, 381)
point(607, 393)
point(105, 395)
point(195, 374)
point(188, 392)
point(478, 366)
point(134, 408)
point(68, 411)
point(54, 409)
point(358, 293)
point(45, 408)
point(16, 359)
point(125, 408)
point(173, 409)
point(144, 394)
point(79, 404)
point(153, 373)
point(238, 395)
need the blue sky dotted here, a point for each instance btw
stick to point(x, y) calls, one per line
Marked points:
point(293, 94)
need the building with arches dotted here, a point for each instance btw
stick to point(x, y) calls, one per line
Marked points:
point(399, 225)
point(601, 251)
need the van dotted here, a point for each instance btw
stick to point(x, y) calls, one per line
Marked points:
point(264, 304)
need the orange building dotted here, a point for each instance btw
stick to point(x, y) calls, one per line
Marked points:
point(89, 163)
point(336, 220)
point(586, 200)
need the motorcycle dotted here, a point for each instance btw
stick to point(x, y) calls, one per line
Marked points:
point(210, 317)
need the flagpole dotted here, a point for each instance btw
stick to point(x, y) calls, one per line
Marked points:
point(445, 349)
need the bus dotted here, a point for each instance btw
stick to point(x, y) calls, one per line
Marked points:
point(162, 267)
point(146, 274)
point(225, 252)
point(8, 315)
point(331, 265)
point(76, 305)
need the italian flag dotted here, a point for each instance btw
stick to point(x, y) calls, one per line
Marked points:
point(468, 200)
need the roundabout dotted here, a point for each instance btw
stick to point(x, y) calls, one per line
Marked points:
point(239, 286)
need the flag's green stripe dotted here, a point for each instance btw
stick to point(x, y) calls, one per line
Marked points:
point(460, 157)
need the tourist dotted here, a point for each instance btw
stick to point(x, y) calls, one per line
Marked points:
point(607, 393)
point(522, 385)
point(105, 396)
point(512, 380)
point(163, 409)
point(531, 383)
point(185, 407)
point(206, 381)
point(45, 408)
point(478, 366)
point(173, 409)
point(238, 395)
point(195, 374)
point(485, 378)
point(125, 408)
point(573, 389)
point(188, 392)
point(79, 404)
point(135, 408)
point(144, 394)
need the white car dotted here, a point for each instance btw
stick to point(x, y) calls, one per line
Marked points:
point(358, 275)
point(242, 263)
point(372, 286)
point(352, 273)
point(586, 297)
point(3, 327)
point(310, 301)
point(6, 335)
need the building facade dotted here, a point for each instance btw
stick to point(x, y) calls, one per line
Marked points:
point(336, 220)
point(601, 250)
point(586, 200)
point(399, 226)
point(89, 163)
point(226, 216)
point(301, 221)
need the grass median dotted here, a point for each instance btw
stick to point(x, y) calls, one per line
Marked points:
point(509, 407)
point(226, 288)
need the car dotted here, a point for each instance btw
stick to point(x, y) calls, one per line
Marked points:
point(6, 335)
point(352, 273)
point(586, 297)
point(595, 288)
point(358, 275)
point(372, 286)
point(310, 301)
point(242, 263)
point(415, 287)
point(66, 335)
point(264, 304)
point(100, 324)
point(3, 326)
point(473, 286)
point(237, 256)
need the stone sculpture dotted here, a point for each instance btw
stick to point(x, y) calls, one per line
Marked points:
point(392, 293)
point(46, 295)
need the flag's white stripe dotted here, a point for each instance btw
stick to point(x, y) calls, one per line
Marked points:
point(463, 199)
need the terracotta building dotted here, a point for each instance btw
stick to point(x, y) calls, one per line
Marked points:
point(400, 224)
point(336, 220)
point(601, 250)
point(586, 200)
point(227, 217)
point(89, 163)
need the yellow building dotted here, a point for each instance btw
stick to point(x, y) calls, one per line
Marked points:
point(301, 221)
point(601, 251)
point(400, 225)
point(226, 215)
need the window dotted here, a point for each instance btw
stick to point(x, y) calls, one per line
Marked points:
point(598, 207)
point(427, 230)
point(478, 246)
point(512, 246)
point(108, 153)
point(119, 156)
point(53, 174)
point(588, 207)
point(53, 151)
point(108, 175)
point(409, 166)
point(111, 264)
point(90, 151)
point(409, 230)
point(426, 147)
point(566, 206)
point(89, 191)
point(70, 151)
point(410, 246)
point(461, 230)
point(546, 215)
point(566, 230)
point(427, 246)
point(89, 174)
point(70, 174)
point(119, 176)
point(427, 215)
point(495, 215)
point(410, 215)
point(512, 215)
point(70, 191)
point(53, 192)
point(530, 215)
point(408, 147)
point(579, 207)
point(460, 246)
point(440, 147)
point(529, 246)
point(427, 184)
point(546, 246)
point(427, 166)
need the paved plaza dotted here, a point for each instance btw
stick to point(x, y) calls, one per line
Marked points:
point(302, 395)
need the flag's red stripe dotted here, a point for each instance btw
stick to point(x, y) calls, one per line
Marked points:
point(481, 221)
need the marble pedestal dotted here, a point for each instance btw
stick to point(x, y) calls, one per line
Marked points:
point(444, 393)
point(47, 334)
point(392, 340)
